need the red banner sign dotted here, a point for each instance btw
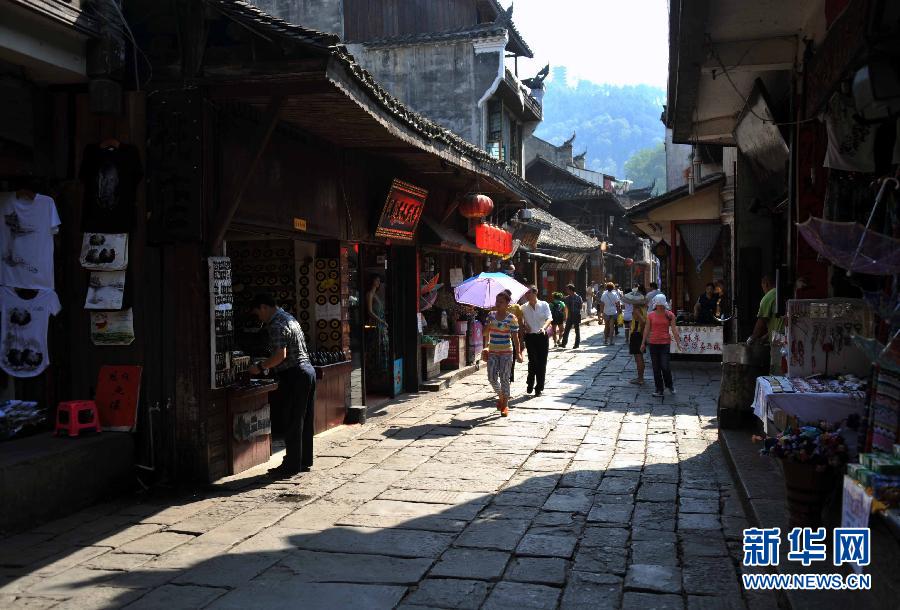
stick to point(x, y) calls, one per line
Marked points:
point(402, 211)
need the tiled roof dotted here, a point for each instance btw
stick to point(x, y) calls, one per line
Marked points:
point(424, 127)
point(561, 235)
point(566, 186)
point(246, 12)
point(513, 30)
point(482, 30)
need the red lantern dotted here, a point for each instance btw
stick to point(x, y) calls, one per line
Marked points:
point(629, 262)
point(483, 237)
point(475, 205)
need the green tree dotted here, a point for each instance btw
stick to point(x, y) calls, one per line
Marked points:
point(647, 165)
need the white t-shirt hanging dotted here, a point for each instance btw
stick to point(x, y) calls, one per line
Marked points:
point(851, 144)
point(23, 342)
point(26, 241)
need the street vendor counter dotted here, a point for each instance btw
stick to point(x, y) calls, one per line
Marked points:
point(783, 401)
point(699, 340)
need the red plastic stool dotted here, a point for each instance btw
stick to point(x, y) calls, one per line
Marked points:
point(75, 416)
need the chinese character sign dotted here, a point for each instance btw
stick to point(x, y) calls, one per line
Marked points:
point(806, 546)
point(402, 211)
point(118, 391)
point(705, 340)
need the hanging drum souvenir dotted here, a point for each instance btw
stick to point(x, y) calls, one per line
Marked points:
point(335, 335)
point(304, 304)
point(304, 292)
point(335, 324)
point(304, 315)
point(321, 300)
point(320, 264)
point(323, 337)
point(333, 274)
point(304, 281)
point(272, 280)
point(304, 269)
point(285, 280)
point(260, 280)
point(334, 300)
point(320, 276)
point(333, 263)
point(321, 323)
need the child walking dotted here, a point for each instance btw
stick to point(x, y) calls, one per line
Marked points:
point(502, 339)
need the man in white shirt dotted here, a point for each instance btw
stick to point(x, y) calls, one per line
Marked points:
point(610, 303)
point(537, 319)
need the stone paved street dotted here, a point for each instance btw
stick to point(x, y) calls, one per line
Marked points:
point(594, 495)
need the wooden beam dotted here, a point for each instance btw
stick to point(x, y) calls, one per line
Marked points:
point(264, 133)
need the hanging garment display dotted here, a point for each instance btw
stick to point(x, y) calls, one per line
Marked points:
point(110, 175)
point(851, 144)
point(23, 346)
point(104, 251)
point(26, 240)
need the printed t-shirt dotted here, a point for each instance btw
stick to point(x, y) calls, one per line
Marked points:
point(851, 144)
point(26, 241)
point(501, 333)
point(23, 348)
point(659, 327)
point(110, 177)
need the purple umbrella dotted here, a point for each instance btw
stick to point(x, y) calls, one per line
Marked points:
point(850, 246)
point(482, 290)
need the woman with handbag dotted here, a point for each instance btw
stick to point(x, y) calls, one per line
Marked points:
point(501, 336)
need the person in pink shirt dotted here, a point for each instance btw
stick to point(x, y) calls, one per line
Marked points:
point(660, 323)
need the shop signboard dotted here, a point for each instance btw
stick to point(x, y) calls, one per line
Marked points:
point(118, 391)
point(699, 341)
point(402, 211)
point(221, 321)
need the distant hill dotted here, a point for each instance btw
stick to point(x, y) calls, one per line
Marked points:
point(612, 122)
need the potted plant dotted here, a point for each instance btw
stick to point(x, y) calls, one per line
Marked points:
point(812, 458)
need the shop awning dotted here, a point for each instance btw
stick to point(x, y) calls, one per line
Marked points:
point(447, 238)
point(574, 261)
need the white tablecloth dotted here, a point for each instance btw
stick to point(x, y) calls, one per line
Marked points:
point(806, 406)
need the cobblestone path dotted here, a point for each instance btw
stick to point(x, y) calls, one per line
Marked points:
point(594, 495)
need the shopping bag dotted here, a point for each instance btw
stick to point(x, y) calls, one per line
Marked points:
point(621, 319)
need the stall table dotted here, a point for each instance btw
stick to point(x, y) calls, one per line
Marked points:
point(778, 402)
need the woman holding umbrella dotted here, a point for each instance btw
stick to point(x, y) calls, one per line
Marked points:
point(502, 339)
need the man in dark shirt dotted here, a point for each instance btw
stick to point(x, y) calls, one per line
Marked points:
point(573, 304)
point(289, 361)
point(705, 309)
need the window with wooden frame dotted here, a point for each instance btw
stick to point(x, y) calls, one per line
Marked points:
point(495, 130)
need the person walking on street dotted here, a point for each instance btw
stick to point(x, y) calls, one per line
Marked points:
point(635, 341)
point(611, 307)
point(289, 361)
point(502, 339)
point(558, 310)
point(573, 306)
point(537, 320)
point(660, 322)
point(618, 292)
point(516, 310)
point(654, 290)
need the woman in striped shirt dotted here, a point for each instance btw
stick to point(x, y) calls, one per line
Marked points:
point(502, 340)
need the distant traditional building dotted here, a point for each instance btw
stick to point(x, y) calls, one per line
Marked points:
point(588, 201)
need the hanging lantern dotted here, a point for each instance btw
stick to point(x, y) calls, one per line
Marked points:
point(476, 205)
point(482, 237)
point(629, 262)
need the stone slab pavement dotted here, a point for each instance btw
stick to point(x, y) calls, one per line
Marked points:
point(594, 495)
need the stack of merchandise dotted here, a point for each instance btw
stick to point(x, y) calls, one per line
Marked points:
point(879, 473)
point(19, 415)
